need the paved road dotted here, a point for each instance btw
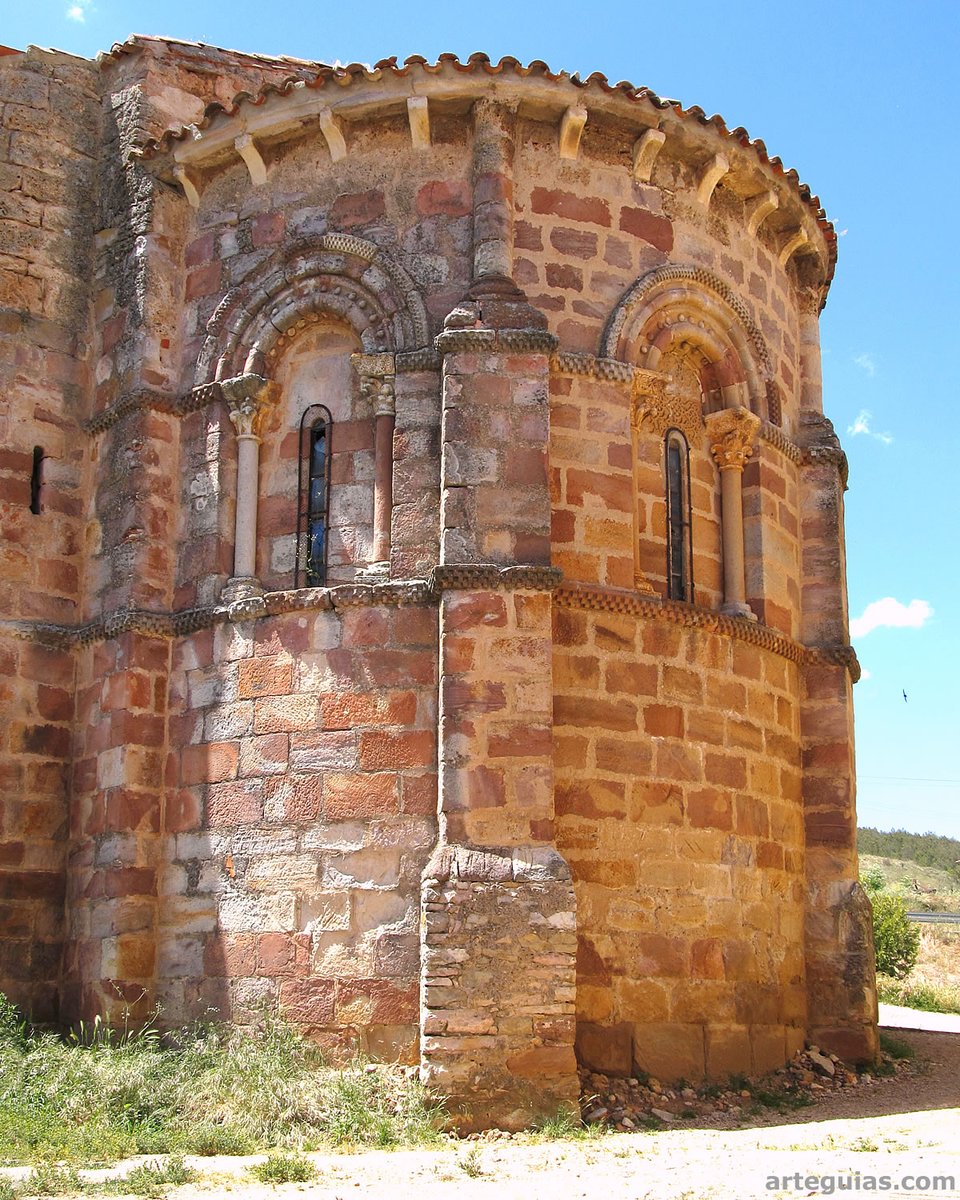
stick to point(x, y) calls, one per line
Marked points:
point(893, 1016)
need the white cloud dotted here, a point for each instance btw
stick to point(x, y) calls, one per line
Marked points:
point(891, 614)
point(865, 361)
point(862, 425)
point(78, 12)
point(865, 674)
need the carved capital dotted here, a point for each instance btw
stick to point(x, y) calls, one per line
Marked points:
point(377, 380)
point(248, 397)
point(657, 405)
point(732, 433)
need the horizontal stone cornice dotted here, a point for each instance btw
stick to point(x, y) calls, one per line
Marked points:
point(397, 593)
point(479, 341)
point(152, 401)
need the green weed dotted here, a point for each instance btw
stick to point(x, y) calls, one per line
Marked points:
point(285, 1168)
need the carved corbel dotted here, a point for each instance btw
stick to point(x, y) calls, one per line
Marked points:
point(645, 151)
point(330, 128)
point(189, 187)
point(710, 176)
point(418, 114)
point(764, 205)
point(246, 147)
point(791, 246)
point(571, 131)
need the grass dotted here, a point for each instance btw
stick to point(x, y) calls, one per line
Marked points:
point(285, 1168)
point(99, 1097)
point(934, 983)
point(899, 875)
point(895, 1046)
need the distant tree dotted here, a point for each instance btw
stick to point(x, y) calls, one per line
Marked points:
point(895, 938)
point(925, 849)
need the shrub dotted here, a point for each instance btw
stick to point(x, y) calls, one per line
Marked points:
point(285, 1168)
point(873, 881)
point(896, 939)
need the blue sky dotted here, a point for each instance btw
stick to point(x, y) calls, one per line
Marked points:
point(861, 98)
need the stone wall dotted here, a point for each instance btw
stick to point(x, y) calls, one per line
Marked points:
point(496, 793)
point(49, 107)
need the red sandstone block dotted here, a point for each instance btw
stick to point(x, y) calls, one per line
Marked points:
point(350, 710)
point(770, 854)
point(752, 819)
point(211, 762)
point(594, 799)
point(349, 797)
point(726, 770)
point(459, 654)
point(301, 797)
point(308, 1003)
point(472, 610)
point(264, 677)
point(50, 740)
point(358, 208)
point(439, 197)
point(239, 802)
point(285, 714)
point(562, 275)
point(366, 627)
point(663, 720)
point(577, 243)
point(520, 740)
point(267, 229)
point(349, 436)
point(473, 788)
point(525, 466)
point(709, 809)
point(132, 810)
point(126, 690)
point(623, 756)
point(604, 490)
point(200, 250)
point(636, 679)
point(377, 1002)
point(532, 611)
point(661, 955)
point(183, 810)
point(419, 794)
point(570, 206)
point(706, 958)
point(658, 231)
point(54, 704)
point(563, 526)
point(381, 751)
point(583, 711)
point(675, 760)
point(115, 883)
point(44, 664)
point(472, 696)
point(283, 954)
point(231, 954)
point(204, 281)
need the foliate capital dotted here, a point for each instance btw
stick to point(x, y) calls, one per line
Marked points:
point(248, 397)
point(732, 433)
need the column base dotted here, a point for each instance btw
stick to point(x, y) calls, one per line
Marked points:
point(377, 572)
point(737, 608)
point(242, 597)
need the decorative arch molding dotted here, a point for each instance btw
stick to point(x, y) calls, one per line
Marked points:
point(691, 304)
point(346, 277)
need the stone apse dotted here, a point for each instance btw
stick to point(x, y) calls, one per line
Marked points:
point(423, 604)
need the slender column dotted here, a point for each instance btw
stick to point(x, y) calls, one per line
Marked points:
point(732, 433)
point(247, 397)
point(377, 383)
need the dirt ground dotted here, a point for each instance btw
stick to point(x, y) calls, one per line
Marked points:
point(888, 1137)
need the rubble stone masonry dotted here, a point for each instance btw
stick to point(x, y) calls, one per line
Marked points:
point(497, 718)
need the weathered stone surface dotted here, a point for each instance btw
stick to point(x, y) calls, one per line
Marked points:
point(504, 782)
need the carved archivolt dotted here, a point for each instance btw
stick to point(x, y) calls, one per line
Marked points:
point(338, 275)
point(692, 307)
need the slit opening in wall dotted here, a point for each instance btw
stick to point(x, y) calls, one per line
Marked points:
point(36, 480)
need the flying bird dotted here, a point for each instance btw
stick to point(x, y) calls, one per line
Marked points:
point(904, 697)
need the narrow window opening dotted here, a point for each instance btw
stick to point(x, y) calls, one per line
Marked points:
point(313, 497)
point(36, 480)
point(679, 548)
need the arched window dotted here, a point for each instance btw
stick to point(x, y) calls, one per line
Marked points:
point(679, 548)
point(313, 497)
